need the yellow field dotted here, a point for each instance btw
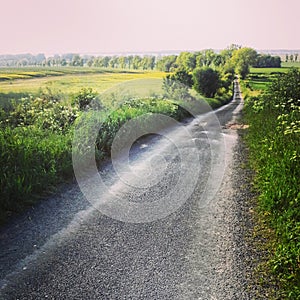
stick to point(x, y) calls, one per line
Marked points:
point(67, 84)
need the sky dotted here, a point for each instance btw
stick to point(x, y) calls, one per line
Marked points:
point(106, 26)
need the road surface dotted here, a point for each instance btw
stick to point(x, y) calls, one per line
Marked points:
point(64, 248)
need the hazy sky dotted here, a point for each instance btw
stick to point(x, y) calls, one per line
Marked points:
point(87, 26)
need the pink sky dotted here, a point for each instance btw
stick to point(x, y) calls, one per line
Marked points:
point(93, 26)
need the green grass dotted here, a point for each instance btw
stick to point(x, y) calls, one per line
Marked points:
point(291, 64)
point(274, 142)
point(259, 79)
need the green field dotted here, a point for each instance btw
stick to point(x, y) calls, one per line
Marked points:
point(260, 79)
point(19, 83)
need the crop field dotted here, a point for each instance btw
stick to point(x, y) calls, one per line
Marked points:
point(66, 81)
point(260, 79)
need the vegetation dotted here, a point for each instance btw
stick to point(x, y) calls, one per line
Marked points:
point(41, 106)
point(206, 81)
point(274, 142)
point(38, 121)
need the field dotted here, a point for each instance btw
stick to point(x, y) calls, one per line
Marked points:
point(260, 79)
point(18, 83)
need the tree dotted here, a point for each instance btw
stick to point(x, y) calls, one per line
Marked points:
point(206, 81)
point(183, 77)
point(243, 58)
point(77, 61)
point(166, 63)
point(186, 61)
point(122, 62)
point(136, 62)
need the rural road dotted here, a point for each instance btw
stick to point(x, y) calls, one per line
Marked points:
point(64, 248)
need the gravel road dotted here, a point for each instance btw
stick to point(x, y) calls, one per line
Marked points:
point(64, 248)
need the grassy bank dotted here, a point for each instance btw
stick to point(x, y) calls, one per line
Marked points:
point(273, 115)
point(36, 130)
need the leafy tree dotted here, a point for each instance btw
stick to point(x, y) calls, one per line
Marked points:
point(186, 61)
point(267, 61)
point(206, 81)
point(136, 62)
point(77, 61)
point(122, 62)
point(183, 77)
point(243, 58)
point(166, 63)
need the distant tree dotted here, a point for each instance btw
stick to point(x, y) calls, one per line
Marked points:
point(122, 62)
point(166, 63)
point(63, 62)
point(296, 57)
point(186, 61)
point(129, 61)
point(77, 61)
point(243, 58)
point(267, 61)
point(113, 63)
point(136, 62)
point(291, 57)
point(206, 81)
point(104, 61)
point(286, 58)
point(90, 61)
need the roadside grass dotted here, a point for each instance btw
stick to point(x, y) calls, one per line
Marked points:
point(274, 143)
point(41, 113)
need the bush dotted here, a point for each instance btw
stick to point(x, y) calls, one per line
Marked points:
point(206, 81)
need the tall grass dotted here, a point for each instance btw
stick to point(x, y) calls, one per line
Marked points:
point(274, 141)
point(36, 141)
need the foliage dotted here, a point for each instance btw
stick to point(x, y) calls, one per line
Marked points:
point(45, 112)
point(242, 59)
point(84, 98)
point(182, 77)
point(174, 89)
point(206, 81)
point(31, 159)
point(267, 61)
point(274, 141)
point(166, 63)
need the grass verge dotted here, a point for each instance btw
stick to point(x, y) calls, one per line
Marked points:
point(274, 142)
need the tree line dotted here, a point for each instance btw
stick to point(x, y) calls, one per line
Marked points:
point(168, 63)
